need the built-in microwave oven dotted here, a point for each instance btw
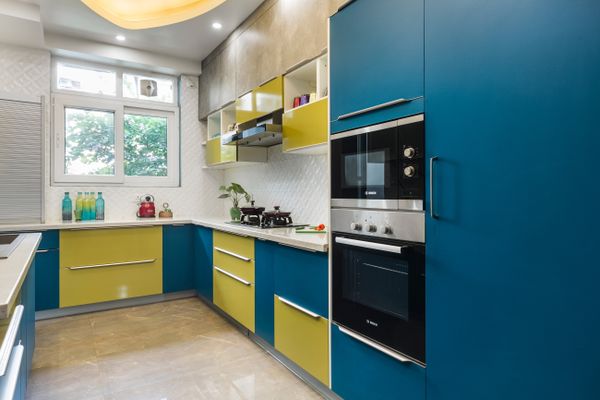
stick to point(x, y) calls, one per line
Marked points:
point(380, 166)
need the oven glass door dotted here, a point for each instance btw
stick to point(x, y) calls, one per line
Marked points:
point(379, 291)
point(365, 166)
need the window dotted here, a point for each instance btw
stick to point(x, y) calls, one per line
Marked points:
point(118, 140)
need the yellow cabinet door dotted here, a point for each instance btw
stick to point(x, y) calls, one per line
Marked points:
point(100, 265)
point(234, 254)
point(305, 126)
point(216, 153)
point(303, 337)
point(235, 296)
point(261, 101)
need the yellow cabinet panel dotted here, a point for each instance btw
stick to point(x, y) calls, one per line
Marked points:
point(303, 338)
point(100, 265)
point(261, 101)
point(234, 296)
point(216, 153)
point(305, 126)
point(234, 254)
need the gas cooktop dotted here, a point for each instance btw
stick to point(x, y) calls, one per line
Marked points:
point(255, 226)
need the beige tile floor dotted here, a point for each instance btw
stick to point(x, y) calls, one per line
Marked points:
point(176, 350)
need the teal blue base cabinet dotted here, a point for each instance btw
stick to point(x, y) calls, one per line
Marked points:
point(263, 269)
point(376, 59)
point(360, 372)
point(47, 273)
point(203, 261)
point(178, 258)
point(513, 271)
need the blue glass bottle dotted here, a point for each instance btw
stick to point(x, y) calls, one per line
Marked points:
point(92, 206)
point(100, 207)
point(67, 208)
point(86, 207)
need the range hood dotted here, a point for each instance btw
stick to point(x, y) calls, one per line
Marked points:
point(262, 132)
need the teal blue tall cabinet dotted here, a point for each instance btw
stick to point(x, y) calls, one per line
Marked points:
point(512, 104)
point(376, 62)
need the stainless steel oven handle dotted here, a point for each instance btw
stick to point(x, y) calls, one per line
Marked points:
point(432, 212)
point(370, 245)
point(377, 346)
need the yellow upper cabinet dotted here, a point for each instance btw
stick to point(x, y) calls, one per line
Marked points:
point(261, 101)
point(213, 151)
point(305, 126)
point(98, 265)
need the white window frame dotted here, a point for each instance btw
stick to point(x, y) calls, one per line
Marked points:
point(120, 106)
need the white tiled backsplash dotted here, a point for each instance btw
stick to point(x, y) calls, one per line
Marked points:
point(297, 183)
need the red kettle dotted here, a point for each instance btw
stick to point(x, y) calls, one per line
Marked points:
point(147, 209)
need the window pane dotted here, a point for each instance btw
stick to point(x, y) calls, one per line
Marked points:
point(87, 80)
point(145, 145)
point(89, 142)
point(148, 88)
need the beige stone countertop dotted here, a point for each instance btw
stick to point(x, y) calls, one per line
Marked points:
point(13, 271)
point(285, 236)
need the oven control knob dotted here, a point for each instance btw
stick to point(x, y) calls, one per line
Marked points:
point(409, 152)
point(409, 171)
point(372, 228)
point(356, 227)
point(385, 229)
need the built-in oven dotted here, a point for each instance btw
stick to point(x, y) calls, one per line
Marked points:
point(378, 279)
point(379, 166)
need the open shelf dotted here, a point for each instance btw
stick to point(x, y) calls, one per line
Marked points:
point(309, 79)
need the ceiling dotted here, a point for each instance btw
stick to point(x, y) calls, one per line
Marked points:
point(191, 40)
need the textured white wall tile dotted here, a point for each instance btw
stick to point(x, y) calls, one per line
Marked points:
point(297, 183)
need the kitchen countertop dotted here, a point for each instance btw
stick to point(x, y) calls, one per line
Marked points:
point(13, 271)
point(285, 236)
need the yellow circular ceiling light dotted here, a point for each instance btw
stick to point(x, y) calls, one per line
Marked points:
point(136, 14)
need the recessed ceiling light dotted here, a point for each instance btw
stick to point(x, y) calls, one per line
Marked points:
point(120, 38)
point(217, 25)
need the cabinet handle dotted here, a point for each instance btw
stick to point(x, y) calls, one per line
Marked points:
point(377, 346)
point(117, 264)
point(232, 276)
point(11, 379)
point(297, 247)
point(232, 254)
point(10, 337)
point(299, 308)
point(432, 212)
point(370, 245)
point(377, 107)
point(41, 251)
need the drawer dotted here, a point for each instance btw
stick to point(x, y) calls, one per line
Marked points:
point(49, 240)
point(109, 264)
point(234, 254)
point(235, 296)
point(303, 337)
point(302, 277)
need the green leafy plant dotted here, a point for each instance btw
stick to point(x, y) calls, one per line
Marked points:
point(235, 192)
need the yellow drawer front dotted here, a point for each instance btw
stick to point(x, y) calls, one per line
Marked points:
point(234, 297)
point(261, 101)
point(234, 254)
point(303, 338)
point(213, 151)
point(305, 126)
point(109, 264)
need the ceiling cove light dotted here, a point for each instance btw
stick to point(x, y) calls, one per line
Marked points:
point(135, 14)
point(217, 25)
point(120, 38)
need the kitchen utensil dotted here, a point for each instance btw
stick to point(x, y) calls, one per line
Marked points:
point(147, 208)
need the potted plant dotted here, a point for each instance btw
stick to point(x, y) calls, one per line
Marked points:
point(235, 192)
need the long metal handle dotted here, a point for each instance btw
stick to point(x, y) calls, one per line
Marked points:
point(232, 254)
point(10, 337)
point(117, 264)
point(377, 107)
point(41, 251)
point(377, 346)
point(232, 276)
point(299, 308)
point(370, 245)
point(432, 161)
point(9, 384)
